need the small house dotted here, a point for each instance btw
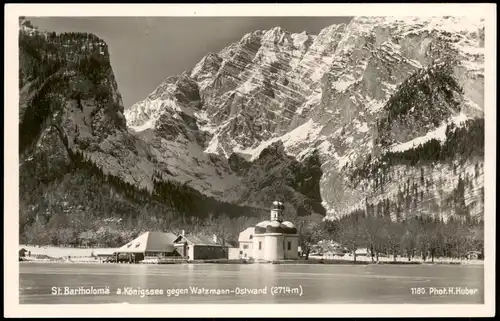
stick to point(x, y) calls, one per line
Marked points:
point(200, 247)
point(149, 244)
point(22, 252)
point(474, 255)
point(362, 252)
point(336, 252)
point(245, 241)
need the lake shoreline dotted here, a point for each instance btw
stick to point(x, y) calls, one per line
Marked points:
point(67, 255)
point(242, 262)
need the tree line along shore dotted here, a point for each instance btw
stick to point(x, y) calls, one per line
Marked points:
point(417, 239)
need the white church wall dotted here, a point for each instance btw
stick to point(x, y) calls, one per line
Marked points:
point(259, 247)
point(274, 247)
point(246, 249)
point(292, 252)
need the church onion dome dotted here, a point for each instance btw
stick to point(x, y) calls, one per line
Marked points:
point(278, 205)
point(263, 224)
point(289, 227)
point(275, 227)
point(260, 228)
point(274, 224)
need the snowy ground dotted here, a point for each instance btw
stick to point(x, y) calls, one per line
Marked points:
point(399, 259)
point(84, 255)
point(59, 252)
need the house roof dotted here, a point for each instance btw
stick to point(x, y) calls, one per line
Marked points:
point(231, 244)
point(150, 242)
point(245, 234)
point(328, 245)
point(198, 240)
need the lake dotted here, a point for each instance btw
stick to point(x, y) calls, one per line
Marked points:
point(59, 283)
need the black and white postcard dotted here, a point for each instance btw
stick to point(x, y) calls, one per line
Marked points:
point(250, 160)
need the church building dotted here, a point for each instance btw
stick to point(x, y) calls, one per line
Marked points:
point(270, 240)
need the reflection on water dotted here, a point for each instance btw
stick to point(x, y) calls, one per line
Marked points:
point(297, 283)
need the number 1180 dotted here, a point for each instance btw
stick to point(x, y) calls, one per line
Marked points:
point(418, 291)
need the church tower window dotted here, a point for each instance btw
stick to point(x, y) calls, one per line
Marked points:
point(277, 211)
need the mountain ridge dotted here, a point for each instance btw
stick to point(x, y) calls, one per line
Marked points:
point(239, 122)
point(274, 115)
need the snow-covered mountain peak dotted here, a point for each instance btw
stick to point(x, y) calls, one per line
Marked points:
point(323, 92)
point(382, 116)
point(274, 32)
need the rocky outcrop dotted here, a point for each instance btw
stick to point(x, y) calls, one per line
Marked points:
point(276, 114)
point(330, 93)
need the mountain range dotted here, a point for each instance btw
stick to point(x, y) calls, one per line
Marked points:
point(383, 114)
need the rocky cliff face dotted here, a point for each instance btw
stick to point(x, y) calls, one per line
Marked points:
point(74, 146)
point(83, 171)
point(375, 85)
point(71, 117)
point(381, 114)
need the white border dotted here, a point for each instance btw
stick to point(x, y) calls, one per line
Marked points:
point(11, 162)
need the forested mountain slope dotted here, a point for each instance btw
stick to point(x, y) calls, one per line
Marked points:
point(379, 116)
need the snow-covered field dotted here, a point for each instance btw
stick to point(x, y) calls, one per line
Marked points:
point(360, 258)
point(59, 252)
point(84, 255)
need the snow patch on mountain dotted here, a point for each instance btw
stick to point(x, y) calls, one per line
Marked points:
point(438, 133)
point(187, 163)
point(213, 146)
point(247, 87)
point(341, 160)
point(203, 122)
point(314, 100)
point(300, 39)
point(149, 124)
point(363, 128)
point(374, 106)
point(145, 114)
point(307, 132)
point(303, 135)
point(343, 84)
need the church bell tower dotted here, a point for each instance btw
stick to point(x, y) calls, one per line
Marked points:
point(277, 211)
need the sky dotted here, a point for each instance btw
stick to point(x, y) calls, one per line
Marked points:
point(146, 50)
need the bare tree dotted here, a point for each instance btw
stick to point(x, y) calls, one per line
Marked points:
point(393, 233)
point(310, 233)
point(351, 234)
point(375, 235)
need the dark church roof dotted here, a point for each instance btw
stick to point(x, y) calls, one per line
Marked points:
point(285, 227)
